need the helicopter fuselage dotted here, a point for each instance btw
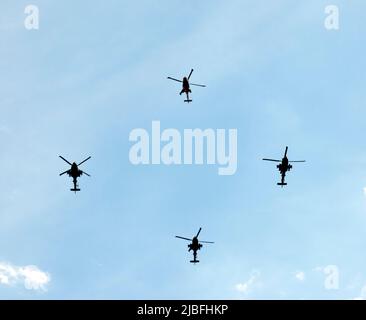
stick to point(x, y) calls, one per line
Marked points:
point(74, 171)
point(185, 85)
point(284, 166)
point(195, 245)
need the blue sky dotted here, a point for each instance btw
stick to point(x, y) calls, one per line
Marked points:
point(92, 73)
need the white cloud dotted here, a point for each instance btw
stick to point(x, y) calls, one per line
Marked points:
point(364, 191)
point(247, 286)
point(30, 276)
point(300, 275)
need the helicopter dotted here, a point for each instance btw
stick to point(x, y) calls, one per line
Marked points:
point(75, 172)
point(283, 167)
point(186, 86)
point(195, 245)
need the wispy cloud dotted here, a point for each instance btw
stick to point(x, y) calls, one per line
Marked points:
point(30, 276)
point(300, 275)
point(247, 286)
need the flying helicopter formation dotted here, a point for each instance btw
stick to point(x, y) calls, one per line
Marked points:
point(195, 245)
point(284, 166)
point(186, 86)
point(74, 172)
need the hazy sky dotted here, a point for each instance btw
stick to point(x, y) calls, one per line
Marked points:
point(92, 73)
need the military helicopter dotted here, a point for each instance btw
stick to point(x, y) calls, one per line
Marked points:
point(185, 83)
point(283, 167)
point(74, 172)
point(195, 245)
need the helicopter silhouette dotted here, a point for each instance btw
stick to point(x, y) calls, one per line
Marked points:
point(195, 245)
point(186, 85)
point(75, 172)
point(283, 167)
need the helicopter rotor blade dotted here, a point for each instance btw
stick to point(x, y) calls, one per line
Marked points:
point(198, 232)
point(84, 161)
point(207, 242)
point(170, 78)
point(197, 85)
point(183, 238)
point(271, 160)
point(190, 74)
point(286, 152)
point(298, 161)
point(83, 172)
point(65, 160)
point(64, 172)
